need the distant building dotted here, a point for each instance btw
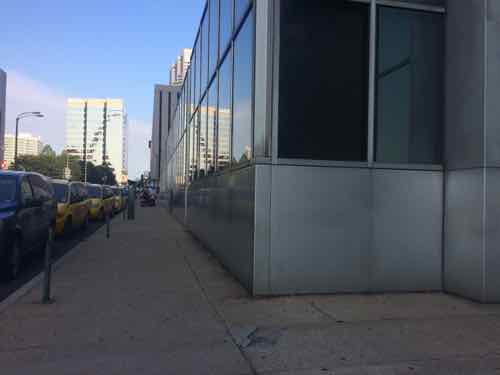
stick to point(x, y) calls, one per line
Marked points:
point(96, 131)
point(165, 101)
point(27, 144)
point(179, 68)
point(3, 90)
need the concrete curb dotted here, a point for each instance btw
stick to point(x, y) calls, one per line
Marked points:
point(35, 281)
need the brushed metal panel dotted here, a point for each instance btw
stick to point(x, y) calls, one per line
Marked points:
point(463, 250)
point(221, 214)
point(492, 233)
point(493, 87)
point(320, 229)
point(262, 234)
point(407, 230)
point(464, 84)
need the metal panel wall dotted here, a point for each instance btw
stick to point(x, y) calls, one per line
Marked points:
point(407, 234)
point(221, 214)
point(354, 230)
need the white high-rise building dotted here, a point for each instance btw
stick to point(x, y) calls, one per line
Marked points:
point(179, 69)
point(96, 130)
point(27, 144)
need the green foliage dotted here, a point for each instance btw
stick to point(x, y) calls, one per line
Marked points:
point(98, 174)
point(52, 165)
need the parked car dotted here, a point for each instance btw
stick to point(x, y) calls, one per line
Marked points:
point(97, 209)
point(118, 198)
point(108, 200)
point(73, 208)
point(27, 218)
point(124, 197)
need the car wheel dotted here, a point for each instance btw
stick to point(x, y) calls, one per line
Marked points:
point(14, 260)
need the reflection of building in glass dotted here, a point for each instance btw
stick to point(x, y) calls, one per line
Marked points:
point(27, 144)
point(224, 138)
point(96, 130)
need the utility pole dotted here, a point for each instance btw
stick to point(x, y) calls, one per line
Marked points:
point(85, 109)
point(104, 132)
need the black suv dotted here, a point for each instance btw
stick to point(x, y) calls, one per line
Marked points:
point(28, 211)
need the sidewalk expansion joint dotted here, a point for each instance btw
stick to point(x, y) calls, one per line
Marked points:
point(220, 317)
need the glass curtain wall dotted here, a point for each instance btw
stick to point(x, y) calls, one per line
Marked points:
point(324, 82)
point(213, 120)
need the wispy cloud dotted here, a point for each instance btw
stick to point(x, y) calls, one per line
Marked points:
point(26, 94)
point(139, 134)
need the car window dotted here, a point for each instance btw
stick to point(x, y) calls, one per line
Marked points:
point(26, 192)
point(7, 189)
point(40, 188)
point(61, 192)
point(75, 194)
point(94, 191)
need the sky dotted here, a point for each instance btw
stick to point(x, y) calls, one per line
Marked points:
point(55, 49)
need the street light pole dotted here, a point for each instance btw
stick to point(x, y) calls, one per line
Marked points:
point(19, 117)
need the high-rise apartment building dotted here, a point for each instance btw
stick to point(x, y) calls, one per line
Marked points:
point(3, 90)
point(96, 131)
point(27, 144)
point(179, 68)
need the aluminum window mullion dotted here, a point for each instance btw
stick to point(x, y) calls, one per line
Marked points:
point(371, 84)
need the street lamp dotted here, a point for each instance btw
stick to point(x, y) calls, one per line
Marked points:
point(19, 117)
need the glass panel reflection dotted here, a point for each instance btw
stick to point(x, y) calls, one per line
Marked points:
point(214, 36)
point(242, 95)
point(225, 113)
point(203, 137)
point(211, 126)
point(409, 87)
point(226, 23)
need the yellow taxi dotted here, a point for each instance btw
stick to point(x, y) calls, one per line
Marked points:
point(118, 198)
point(101, 201)
point(73, 206)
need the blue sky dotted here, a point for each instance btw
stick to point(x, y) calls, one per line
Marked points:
point(55, 49)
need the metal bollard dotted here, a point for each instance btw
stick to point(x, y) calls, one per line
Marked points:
point(131, 204)
point(48, 270)
point(108, 226)
point(124, 214)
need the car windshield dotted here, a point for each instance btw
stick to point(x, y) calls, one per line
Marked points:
point(7, 189)
point(61, 191)
point(94, 191)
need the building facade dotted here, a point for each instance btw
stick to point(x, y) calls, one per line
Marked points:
point(165, 102)
point(27, 144)
point(3, 95)
point(179, 68)
point(96, 131)
point(363, 150)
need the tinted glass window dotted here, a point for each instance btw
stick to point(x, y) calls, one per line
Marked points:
point(225, 113)
point(195, 80)
point(61, 192)
point(214, 35)
point(240, 8)
point(203, 138)
point(409, 87)
point(242, 93)
point(226, 23)
point(7, 189)
point(94, 191)
point(211, 125)
point(323, 80)
point(40, 189)
point(26, 192)
point(204, 54)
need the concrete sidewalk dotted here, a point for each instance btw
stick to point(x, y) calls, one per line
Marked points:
point(151, 300)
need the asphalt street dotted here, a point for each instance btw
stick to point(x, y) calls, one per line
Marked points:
point(33, 263)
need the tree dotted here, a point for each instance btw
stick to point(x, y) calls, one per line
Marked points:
point(48, 151)
point(98, 174)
